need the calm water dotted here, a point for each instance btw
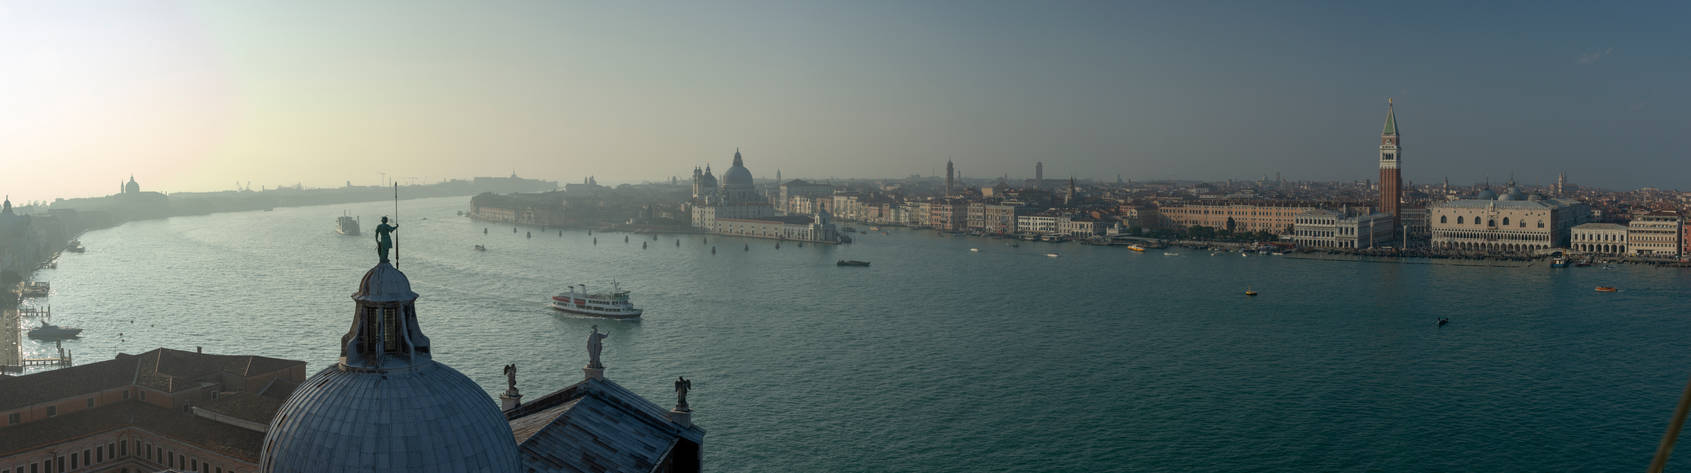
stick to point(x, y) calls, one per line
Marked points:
point(939, 359)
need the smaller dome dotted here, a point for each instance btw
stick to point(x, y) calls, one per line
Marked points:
point(384, 283)
point(1487, 194)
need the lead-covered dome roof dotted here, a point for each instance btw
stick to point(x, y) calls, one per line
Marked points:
point(429, 418)
point(737, 175)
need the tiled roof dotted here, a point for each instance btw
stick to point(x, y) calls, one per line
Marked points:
point(245, 406)
point(162, 369)
point(595, 426)
point(175, 370)
point(216, 436)
point(1545, 204)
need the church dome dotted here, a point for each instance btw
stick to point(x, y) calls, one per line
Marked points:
point(1486, 194)
point(737, 176)
point(387, 406)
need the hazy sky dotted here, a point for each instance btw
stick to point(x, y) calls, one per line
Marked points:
point(198, 95)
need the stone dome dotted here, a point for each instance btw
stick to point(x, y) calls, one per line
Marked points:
point(1486, 194)
point(387, 406)
point(737, 175)
point(426, 418)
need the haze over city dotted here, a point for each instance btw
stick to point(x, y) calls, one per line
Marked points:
point(196, 96)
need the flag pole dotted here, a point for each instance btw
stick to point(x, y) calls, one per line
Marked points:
point(396, 224)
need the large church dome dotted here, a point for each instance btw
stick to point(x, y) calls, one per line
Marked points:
point(737, 176)
point(387, 406)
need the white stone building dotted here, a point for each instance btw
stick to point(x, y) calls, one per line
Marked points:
point(1347, 228)
point(1598, 238)
point(1513, 222)
point(1655, 234)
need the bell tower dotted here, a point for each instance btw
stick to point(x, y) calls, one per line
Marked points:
point(1391, 161)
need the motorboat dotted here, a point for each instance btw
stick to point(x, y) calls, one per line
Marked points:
point(851, 262)
point(75, 246)
point(974, 250)
point(1559, 263)
point(53, 332)
point(612, 305)
point(1053, 255)
point(1171, 253)
point(481, 247)
point(1137, 248)
point(1607, 289)
point(1249, 292)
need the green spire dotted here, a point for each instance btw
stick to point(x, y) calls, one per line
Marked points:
point(1391, 120)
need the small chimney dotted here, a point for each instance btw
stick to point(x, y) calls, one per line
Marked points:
point(199, 350)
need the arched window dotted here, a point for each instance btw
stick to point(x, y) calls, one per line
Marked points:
point(1505, 221)
point(1458, 220)
point(1490, 223)
point(1444, 219)
point(1540, 224)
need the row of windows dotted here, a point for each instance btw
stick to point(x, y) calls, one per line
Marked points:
point(1496, 236)
point(90, 457)
point(1599, 237)
point(1493, 223)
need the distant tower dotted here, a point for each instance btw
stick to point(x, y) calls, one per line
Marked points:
point(1446, 189)
point(1068, 198)
point(950, 176)
point(1561, 183)
point(777, 176)
point(1039, 175)
point(1391, 181)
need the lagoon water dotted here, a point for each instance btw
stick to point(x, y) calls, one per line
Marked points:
point(940, 359)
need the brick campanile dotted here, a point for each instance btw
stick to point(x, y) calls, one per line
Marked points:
point(1391, 160)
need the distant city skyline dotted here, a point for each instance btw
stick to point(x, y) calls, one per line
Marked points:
point(196, 96)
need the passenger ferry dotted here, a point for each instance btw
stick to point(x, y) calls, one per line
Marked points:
point(613, 305)
point(347, 225)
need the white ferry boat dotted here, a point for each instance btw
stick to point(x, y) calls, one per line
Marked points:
point(612, 304)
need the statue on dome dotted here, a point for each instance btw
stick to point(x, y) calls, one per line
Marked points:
point(384, 238)
point(682, 385)
point(595, 344)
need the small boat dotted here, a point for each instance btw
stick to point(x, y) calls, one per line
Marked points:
point(53, 332)
point(1607, 289)
point(1053, 255)
point(1249, 292)
point(75, 247)
point(612, 305)
point(1245, 255)
point(1137, 248)
point(851, 262)
point(1559, 263)
point(1171, 253)
point(974, 250)
point(481, 248)
point(748, 247)
point(1442, 321)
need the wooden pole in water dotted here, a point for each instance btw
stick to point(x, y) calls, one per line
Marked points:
point(1666, 448)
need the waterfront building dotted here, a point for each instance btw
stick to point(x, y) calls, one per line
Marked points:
point(1000, 218)
point(949, 215)
point(1684, 239)
point(1080, 227)
point(1345, 228)
point(1391, 160)
point(1513, 222)
point(1246, 216)
point(163, 409)
point(1598, 238)
point(800, 187)
point(1655, 234)
point(1041, 224)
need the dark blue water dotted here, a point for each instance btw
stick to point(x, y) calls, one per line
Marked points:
point(941, 359)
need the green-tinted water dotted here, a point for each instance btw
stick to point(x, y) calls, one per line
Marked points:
point(940, 359)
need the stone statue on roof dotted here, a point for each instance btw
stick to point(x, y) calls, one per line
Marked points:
point(682, 385)
point(511, 378)
point(384, 239)
point(595, 344)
